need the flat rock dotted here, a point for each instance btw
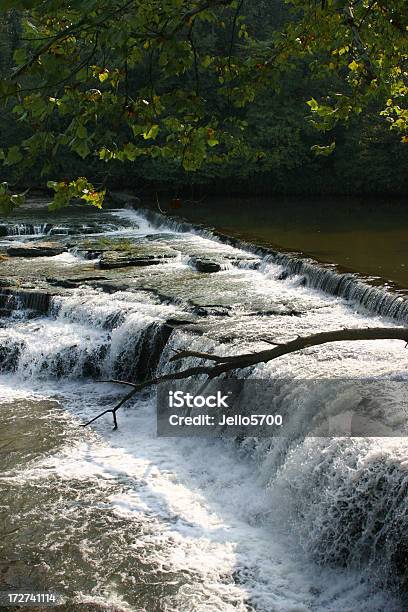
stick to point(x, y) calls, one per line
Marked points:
point(212, 311)
point(109, 286)
point(113, 259)
point(123, 248)
point(69, 282)
point(8, 282)
point(205, 265)
point(39, 249)
point(141, 253)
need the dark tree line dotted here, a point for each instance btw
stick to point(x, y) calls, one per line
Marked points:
point(214, 63)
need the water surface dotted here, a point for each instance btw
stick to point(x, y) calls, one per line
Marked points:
point(129, 520)
point(361, 235)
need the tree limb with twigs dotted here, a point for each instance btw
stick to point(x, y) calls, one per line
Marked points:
point(220, 364)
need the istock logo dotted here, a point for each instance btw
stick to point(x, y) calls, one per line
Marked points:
point(179, 399)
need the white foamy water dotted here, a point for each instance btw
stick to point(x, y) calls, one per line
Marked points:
point(204, 512)
point(141, 522)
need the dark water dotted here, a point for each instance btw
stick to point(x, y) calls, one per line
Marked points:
point(361, 235)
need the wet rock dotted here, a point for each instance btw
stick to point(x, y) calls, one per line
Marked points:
point(31, 299)
point(69, 283)
point(248, 261)
point(139, 359)
point(179, 322)
point(86, 254)
point(62, 231)
point(75, 229)
point(113, 320)
point(205, 265)
point(248, 264)
point(283, 275)
point(163, 236)
point(216, 311)
point(121, 252)
point(92, 364)
point(66, 283)
point(109, 286)
point(7, 282)
point(47, 228)
point(19, 575)
point(39, 249)
point(116, 259)
point(276, 313)
point(3, 230)
point(9, 356)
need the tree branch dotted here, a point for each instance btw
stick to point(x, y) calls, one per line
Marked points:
point(62, 35)
point(224, 364)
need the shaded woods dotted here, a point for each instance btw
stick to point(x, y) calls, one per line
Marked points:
point(222, 97)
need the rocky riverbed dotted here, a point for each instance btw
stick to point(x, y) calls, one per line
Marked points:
point(131, 521)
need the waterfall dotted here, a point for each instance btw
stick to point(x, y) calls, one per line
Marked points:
point(87, 335)
point(343, 499)
point(27, 299)
point(317, 276)
point(25, 229)
point(348, 286)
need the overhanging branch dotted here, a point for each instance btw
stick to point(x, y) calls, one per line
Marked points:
point(229, 363)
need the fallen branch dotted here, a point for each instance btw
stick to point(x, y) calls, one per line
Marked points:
point(222, 364)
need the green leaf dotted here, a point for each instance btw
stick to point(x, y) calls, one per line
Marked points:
point(103, 76)
point(131, 151)
point(206, 61)
point(17, 4)
point(81, 147)
point(20, 56)
point(14, 156)
point(81, 131)
point(152, 133)
point(8, 201)
point(314, 105)
point(8, 88)
point(80, 189)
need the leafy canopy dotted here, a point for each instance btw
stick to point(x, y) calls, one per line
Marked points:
point(124, 80)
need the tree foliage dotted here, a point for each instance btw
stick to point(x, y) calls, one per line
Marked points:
point(364, 45)
point(188, 84)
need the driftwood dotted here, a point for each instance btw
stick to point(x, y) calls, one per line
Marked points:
point(222, 364)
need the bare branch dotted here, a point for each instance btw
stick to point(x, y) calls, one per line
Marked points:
point(113, 410)
point(119, 382)
point(184, 354)
point(226, 364)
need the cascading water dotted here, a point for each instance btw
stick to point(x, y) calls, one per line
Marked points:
point(25, 229)
point(316, 276)
point(140, 522)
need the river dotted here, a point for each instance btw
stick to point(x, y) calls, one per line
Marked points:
point(363, 235)
point(131, 521)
